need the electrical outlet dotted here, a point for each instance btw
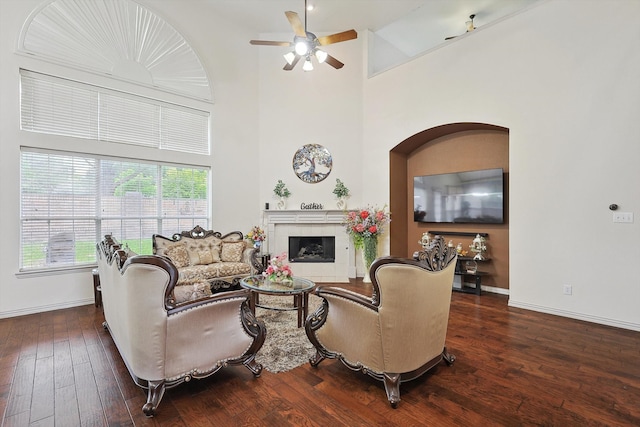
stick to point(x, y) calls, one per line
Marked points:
point(623, 217)
point(566, 289)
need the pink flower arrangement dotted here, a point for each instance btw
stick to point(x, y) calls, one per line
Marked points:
point(366, 223)
point(278, 270)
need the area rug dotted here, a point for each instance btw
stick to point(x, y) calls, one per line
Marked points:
point(286, 346)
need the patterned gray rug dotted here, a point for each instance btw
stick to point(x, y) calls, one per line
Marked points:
point(286, 346)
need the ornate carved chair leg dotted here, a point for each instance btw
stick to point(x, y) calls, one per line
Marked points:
point(316, 359)
point(392, 386)
point(154, 396)
point(254, 367)
point(448, 357)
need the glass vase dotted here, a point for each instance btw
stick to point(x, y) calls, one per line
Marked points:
point(369, 254)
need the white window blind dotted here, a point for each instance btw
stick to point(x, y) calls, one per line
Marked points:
point(69, 201)
point(129, 120)
point(59, 106)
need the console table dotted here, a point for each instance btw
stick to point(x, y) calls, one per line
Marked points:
point(460, 268)
point(477, 275)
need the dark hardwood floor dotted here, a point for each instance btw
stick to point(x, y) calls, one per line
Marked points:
point(514, 367)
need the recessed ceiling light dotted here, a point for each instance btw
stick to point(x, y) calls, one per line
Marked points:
point(310, 7)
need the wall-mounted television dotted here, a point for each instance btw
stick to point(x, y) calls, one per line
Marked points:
point(461, 197)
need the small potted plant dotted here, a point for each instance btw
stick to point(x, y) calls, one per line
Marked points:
point(282, 192)
point(341, 192)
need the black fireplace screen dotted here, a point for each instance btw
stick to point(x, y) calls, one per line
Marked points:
point(312, 249)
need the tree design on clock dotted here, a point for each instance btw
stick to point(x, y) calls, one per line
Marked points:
point(312, 163)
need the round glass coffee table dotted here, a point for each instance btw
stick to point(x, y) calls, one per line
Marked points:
point(299, 290)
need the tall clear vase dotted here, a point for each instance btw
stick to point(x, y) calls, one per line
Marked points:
point(369, 254)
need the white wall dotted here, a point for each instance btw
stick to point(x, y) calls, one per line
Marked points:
point(323, 106)
point(561, 76)
point(231, 64)
point(564, 79)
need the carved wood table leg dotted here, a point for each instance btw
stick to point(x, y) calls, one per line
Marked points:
point(305, 306)
point(298, 301)
point(253, 301)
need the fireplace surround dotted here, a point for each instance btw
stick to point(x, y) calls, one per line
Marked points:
point(282, 224)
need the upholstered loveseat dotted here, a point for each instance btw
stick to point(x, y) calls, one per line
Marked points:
point(206, 256)
point(163, 343)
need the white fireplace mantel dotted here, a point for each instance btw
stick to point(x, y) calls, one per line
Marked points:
point(303, 217)
point(280, 224)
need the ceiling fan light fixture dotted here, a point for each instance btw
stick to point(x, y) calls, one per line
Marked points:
point(306, 44)
point(321, 55)
point(289, 57)
point(301, 48)
point(307, 66)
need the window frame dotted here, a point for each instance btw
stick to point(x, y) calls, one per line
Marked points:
point(99, 218)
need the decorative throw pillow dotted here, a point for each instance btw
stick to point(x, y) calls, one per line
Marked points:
point(231, 251)
point(195, 248)
point(191, 292)
point(204, 257)
point(178, 255)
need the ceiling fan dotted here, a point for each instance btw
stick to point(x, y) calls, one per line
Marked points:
point(469, 25)
point(306, 45)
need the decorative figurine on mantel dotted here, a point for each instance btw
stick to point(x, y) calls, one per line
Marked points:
point(479, 246)
point(425, 241)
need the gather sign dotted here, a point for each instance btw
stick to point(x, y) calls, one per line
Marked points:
point(311, 206)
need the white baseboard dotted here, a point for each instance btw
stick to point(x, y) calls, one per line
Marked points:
point(574, 315)
point(494, 290)
point(43, 308)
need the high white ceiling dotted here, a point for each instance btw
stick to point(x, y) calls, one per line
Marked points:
point(416, 24)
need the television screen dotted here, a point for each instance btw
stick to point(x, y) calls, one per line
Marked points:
point(460, 197)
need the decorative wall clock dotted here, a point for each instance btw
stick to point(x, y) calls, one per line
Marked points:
point(312, 163)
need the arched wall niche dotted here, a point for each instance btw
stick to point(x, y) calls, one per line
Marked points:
point(451, 147)
point(118, 38)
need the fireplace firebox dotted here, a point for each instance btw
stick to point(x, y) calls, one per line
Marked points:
point(312, 248)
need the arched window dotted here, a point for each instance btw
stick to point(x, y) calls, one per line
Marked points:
point(132, 79)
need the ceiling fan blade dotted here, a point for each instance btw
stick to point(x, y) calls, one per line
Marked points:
point(338, 37)
point(269, 43)
point(296, 24)
point(334, 62)
point(450, 37)
point(289, 67)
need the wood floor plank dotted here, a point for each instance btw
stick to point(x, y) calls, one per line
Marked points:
point(42, 399)
point(22, 386)
point(63, 366)
point(514, 367)
point(66, 407)
point(16, 420)
point(90, 409)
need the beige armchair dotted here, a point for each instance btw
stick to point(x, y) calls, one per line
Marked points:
point(399, 333)
point(162, 343)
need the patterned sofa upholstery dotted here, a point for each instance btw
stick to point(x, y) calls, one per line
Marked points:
point(162, 343)
point(208, 261)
